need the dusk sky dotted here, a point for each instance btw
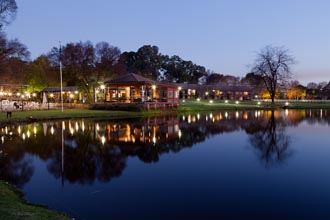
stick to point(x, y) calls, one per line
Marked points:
point(222, 35)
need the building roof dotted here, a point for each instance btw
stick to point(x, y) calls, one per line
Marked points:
point(58, 89)
point(130, 78)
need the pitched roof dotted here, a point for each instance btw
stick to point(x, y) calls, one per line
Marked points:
point(130, 78)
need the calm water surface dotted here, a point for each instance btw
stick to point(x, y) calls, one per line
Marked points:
point(225, 165)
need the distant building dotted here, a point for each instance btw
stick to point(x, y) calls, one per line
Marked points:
point(217, 91)
point(133, 88)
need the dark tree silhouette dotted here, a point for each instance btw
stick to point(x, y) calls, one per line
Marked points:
point(8, 9)
point(271, 141)
point(273, 65)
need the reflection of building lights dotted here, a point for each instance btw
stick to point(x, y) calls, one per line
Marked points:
point(34, 130)
point(19, 130)
point(211, 115)
point(6, 130)
point(226, 114)
point(286, 103)
point(63, 125)
point(2, 139)
point(246, 116)
point(23, 136)
point(189, 119)
point(71, 131)
point(103, 140)
point(198, 116)
point(28, 134)
point(179, 133)
point(237, 115)
point(77, 126)
point(83, 125)
point(52, 130)
point(154, 140)
point(97, 126)
point(286, 112)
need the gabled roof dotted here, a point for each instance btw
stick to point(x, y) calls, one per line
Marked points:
point(130, 78)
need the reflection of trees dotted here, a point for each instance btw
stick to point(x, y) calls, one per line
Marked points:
point(86, 159)
point(270, 140)
point(15, 168)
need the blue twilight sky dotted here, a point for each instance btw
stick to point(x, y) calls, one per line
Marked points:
point(222, 35)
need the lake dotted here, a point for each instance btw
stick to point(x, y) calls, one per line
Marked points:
point(220, 165)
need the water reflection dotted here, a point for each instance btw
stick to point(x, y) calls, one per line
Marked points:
point(269, 139)
point(84, 151)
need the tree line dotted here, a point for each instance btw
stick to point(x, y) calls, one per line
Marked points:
point(87, 65)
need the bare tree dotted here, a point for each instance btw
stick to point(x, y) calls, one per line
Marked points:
point(8, 9)
point(273, 65)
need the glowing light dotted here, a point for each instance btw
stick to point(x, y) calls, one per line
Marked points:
point(52, 130)
point(179, 133)
point(237, 102)
point(206, 93)
point(71, 95)
point(19, 130)
point(287, 103)
point(259, 103)
point(23, 136)
point(226, 101)
point(2, 139)
point(179, 88)
point(226, 114)
point(286, 112)
point(211, 101)
point(51, 95)
point(34, 94)
point(77, 126)
point(154, 140)
point(103, 140)
point(28, 134)
point(198, 116)
point(102, 87)
point(153, 87)
point(198, 99)
point(183, 100)
point(34, 130)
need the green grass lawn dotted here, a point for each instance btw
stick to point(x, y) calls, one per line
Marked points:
point(12, 207)
point(193, 105)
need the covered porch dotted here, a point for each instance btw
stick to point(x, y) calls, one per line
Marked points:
point(132, 88)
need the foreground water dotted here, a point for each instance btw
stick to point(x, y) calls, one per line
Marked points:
point(225, 165)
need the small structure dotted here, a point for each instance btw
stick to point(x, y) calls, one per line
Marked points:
point(53, 94)
point(133, 88)
point(217, 91)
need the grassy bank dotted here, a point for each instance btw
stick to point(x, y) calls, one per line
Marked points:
point(186, 106)
point(12, 206)
point(204, 105)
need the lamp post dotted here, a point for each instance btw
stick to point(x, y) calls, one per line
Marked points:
point(61, 76)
